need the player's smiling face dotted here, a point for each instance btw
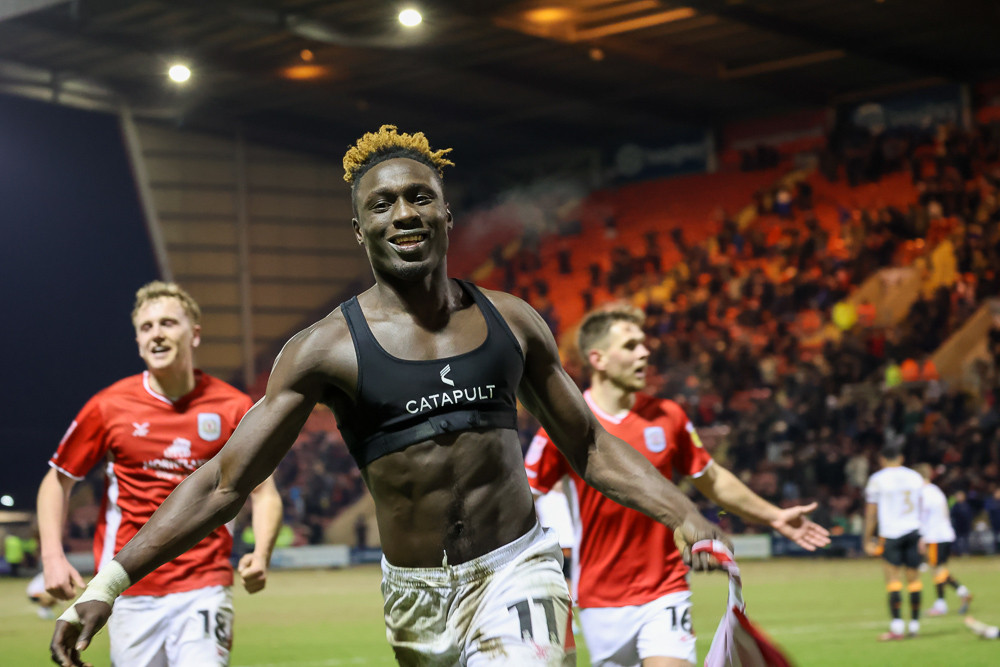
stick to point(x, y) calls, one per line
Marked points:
point(402, 218)
point(624, 356)
point(165, 335)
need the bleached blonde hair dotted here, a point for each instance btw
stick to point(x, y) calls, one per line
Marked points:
point(386, 144)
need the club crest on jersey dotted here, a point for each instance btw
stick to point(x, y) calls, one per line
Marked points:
point(209, 426)
point(656, 439)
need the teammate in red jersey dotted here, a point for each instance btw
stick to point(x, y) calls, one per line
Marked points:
point(152, 430)
point(630, 579)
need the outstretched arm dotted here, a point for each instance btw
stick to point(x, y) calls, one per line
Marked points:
point(608, 464)
point(208, 498)
point(726, 490)
point(266, 508)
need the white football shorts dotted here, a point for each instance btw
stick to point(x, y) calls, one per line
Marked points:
point(190, 629)
point(624, 636)
point(507, 607)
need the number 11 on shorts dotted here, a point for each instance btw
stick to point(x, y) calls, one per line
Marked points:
point(523, 609)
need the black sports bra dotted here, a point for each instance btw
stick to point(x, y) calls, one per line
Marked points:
point(401, 402)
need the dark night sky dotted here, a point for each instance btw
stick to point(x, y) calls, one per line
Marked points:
point(74, 250)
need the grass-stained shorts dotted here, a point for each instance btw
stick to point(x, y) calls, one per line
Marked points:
point(507, 607)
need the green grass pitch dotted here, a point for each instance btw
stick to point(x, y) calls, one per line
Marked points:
point(823, 612)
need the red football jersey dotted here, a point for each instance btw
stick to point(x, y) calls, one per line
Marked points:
point(624, 558)
point(151, 444)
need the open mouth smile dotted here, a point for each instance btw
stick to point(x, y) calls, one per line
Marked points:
point(409, 240)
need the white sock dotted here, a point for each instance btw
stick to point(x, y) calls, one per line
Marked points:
point(897, 626)
point(914, 626)
point(962, 591)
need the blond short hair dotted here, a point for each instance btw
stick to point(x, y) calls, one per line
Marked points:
point(158, 289)
point(597, 324)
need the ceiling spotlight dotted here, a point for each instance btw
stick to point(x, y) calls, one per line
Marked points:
point(548, 15)
point(596, 54)
point(7, 501)
point(410, 18)
point(179, 73)
point(305, 72)
point(307, 55)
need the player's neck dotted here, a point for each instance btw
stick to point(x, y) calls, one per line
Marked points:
point(172, 384)
point(426, 298)
point(611, 398)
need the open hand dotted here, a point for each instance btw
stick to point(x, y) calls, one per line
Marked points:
point(793, 524)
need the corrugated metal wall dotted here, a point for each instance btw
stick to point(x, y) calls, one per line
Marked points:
point(298, 246)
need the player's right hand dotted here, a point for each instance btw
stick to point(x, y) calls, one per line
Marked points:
point(71, 637)
point(61, 578)
point(695, 528)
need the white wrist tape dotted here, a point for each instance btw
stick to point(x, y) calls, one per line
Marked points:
point(106, 586)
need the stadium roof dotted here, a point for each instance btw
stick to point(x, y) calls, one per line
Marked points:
point(496, 78)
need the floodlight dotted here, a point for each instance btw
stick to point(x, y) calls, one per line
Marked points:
point(179, 73)
point(410, 17)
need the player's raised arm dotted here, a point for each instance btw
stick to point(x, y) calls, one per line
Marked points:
point(210, 496)
point(608, 464)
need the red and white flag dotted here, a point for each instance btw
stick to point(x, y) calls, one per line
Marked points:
point(737, 642)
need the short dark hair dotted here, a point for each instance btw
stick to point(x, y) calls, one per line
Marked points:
point(891, 450)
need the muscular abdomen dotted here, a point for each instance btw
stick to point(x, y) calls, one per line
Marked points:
point(464, 495)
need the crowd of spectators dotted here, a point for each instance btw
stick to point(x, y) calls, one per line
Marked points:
point(736, 329)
